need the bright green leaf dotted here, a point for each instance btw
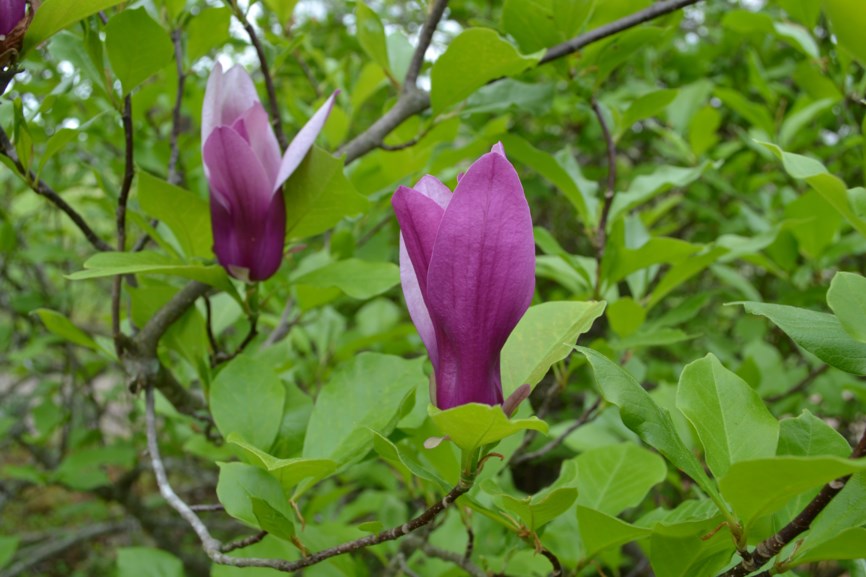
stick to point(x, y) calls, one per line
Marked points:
point(847, 298)
point(137, 47)
point(359, 279)
point(55, 15)
point(474, 425)
point(187, 215)
point(613, 478)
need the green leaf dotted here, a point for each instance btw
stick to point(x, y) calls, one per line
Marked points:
point(289, 472)
point(615, 477)
point(625, 316)
point(827, 185)
point(248, 383)
point(187, 215)
point(544, 336)
point(509, 94)
point(643, 416)
point(284, 9)
point(365, 395)
point(729, 416)
point(8, 546)
point(757, 114)
point(207, 30)
point(790, 476)
point(847, 298)
point(600, 531)
point(271, 520)
point(683, 271)
point(371, 35)
point(844, 511)
point(85, 469)
point(61, 326)
point(849, 544)
point(848, 20)
point(646, 106)
point(800, 120)
point(318, 195)
point(475, 57)
point(55, 15)
point(648, 186)
point(621, 262)
point(239, 484)
point(535, 511)
point(147, 562)
point(819, 333)
point(137, 47)
point(147, 262)
point(538, 24)
point(359, 279)
point(474, 425)
point(405, 461)
point(808, 436)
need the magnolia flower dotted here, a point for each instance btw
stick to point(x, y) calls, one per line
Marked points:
point(245, 172)
point(11, 13)
point(467, 265)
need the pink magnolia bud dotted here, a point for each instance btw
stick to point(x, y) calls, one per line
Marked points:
point(467, 265)
point(246, 172)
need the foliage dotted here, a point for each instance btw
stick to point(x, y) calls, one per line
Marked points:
point(695, 346)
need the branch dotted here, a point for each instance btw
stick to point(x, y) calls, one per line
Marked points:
point(173, 176)
point(213, 547)
point(414, 101)
point(276, 122)
point(558, 440)
point(122, 201)
point(149, 336)
point(424, 39)
point(39, 187)
point(461, 561)
point(610, 191)
point(801, 386)
point(554, 562)
point(655, 11)
point(771, 546)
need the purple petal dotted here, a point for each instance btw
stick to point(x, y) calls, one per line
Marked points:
point(11, 13)
point(419, 217)
point(432, 188)
point(301, 144)
point(480, 280)
point(255, 127)
point(498, 149)
point(251, 257)
point(236, 176)
point(227, 96)
point(415, 303)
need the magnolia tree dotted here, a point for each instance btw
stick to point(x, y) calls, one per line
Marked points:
point(391, 288)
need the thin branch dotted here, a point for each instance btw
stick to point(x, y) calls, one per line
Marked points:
point(558, 440)
point(149, 336)
point(42, 189)
point(771, 546)
point(208, 507)
point(414, 101)
point(554, 562)
point(276, 121)
point(424, 39)
point(245, 542)
point(654, 11)
point(122, 201)
point(801, 386)
point(610, 191)
point(173, 175)
point(213, 547)
point(432, 551)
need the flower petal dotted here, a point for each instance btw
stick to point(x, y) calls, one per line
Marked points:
point(227, 96)
point(480, 280)
point(432, 188)
point(254, 125)
point(301, 144)
point(415, 303)
point(11, 12)
point(237, 178)
point(498, 149)
point(419, 217)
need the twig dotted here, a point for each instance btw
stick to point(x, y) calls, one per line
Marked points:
point(554, 561)
point(122, 201)
point(470, 542)
point(558, 440)
point(42, 189)
point(610, 191)
point(801, 386)
point(208, 507)
point(213, 548)
point(149, 336)
point(771, 546)
point(276, 121)
point(245, 542)
point(173, 176)
point(284, 325)
point(424, 39)
point(414, 101)
point(654, 11)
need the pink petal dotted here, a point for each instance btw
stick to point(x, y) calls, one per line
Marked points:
point(255, 127)
point(498, 149)
point(432, 188)
point(415, 303)
point(419, 217)
point(301, 144)
point(480, 280)
point(227, 96)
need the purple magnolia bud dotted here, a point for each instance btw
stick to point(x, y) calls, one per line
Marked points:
point(246, 172)
point(11, 13)
point(467, 264)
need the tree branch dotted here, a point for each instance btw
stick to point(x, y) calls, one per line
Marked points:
point(456, 558)
point(42, 189)
point(122, 201)
point(558, 440)
point(771, 546)
point(424, 39)
point(610, 191)
point(276, 120)
point(414, 101)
